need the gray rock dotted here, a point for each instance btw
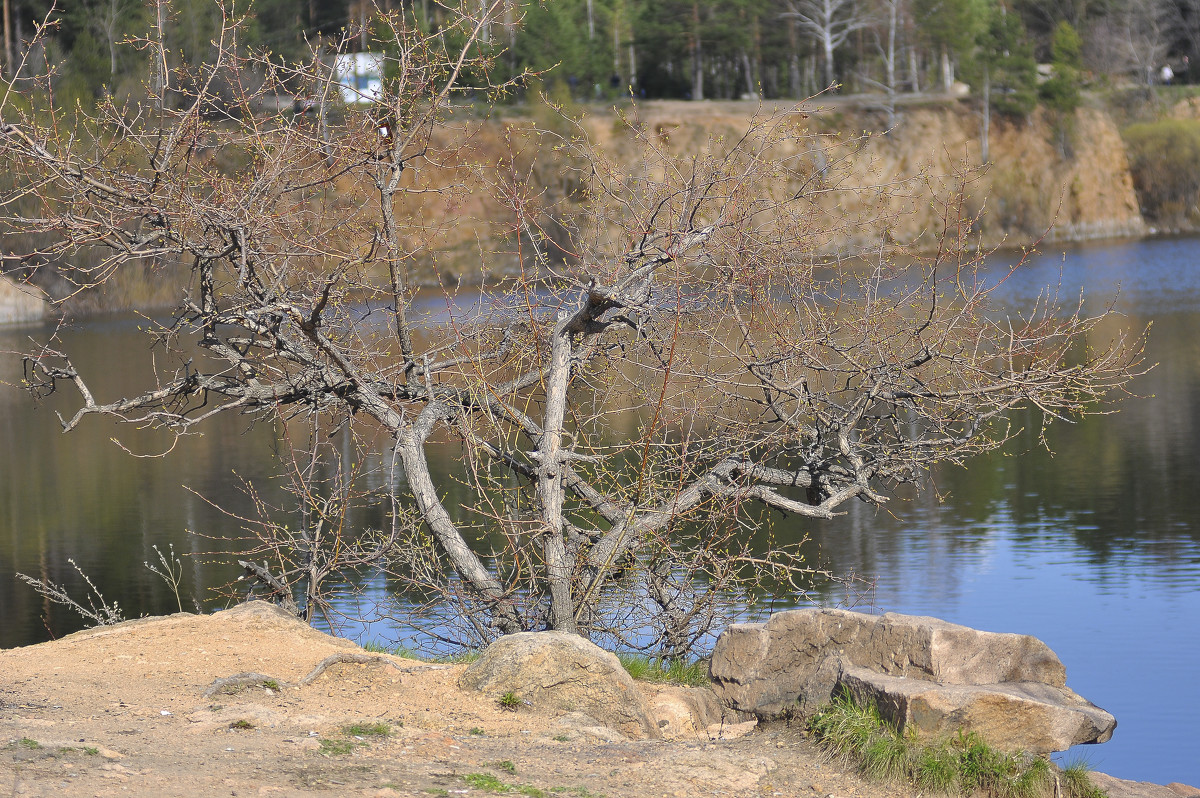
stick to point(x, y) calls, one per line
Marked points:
point(1011, 688)
point(1025, 716)
point(1121, 788)
point(685, 712)
point(580, 725)
point(560, 672)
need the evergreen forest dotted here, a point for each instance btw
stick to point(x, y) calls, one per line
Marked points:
point(598, 50)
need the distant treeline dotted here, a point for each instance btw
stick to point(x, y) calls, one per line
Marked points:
point(698, 49)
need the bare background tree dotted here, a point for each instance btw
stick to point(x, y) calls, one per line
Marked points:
point(830, 22)
point(626, 418)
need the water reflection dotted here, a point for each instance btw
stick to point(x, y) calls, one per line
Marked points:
point(1095, 549)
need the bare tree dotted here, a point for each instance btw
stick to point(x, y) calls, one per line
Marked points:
point(625, 420)
point(830, 22)
point(1133, 39)
point(885, 45)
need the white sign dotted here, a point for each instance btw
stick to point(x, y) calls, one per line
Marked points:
point(359, 77)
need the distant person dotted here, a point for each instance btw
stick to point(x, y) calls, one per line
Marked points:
point(1167, 74)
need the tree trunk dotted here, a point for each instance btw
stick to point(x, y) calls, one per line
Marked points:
point(827, 44)
point(987, 115)
point(411, 442)
point(794, 81)
point(550, 482)
point(697, 56)
point(890, 62)
point(8, 38)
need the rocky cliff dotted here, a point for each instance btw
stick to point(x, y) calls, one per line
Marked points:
point(869, 186)
point(902, 184)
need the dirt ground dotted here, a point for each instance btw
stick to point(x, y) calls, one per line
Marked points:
point(130, 710)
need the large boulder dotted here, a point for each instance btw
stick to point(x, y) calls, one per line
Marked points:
point(561, 672)
point(924, 673)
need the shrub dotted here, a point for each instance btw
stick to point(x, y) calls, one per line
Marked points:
point(1164, 158)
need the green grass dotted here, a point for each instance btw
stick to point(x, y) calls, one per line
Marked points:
point(26, 742)
point(510, 701)
point(1077, 783)
point(335, 747)
point(367, 730)
point(90, 751)
point(507, 766)
point(490, 783)
point(963, 765)
point(486, 781)
point(241, 724)
point(478, 732)
point(676, 671)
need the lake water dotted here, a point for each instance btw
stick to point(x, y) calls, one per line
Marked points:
point(1095, 550)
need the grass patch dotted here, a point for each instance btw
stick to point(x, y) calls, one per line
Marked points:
point(241, 725)
point(367, 730)
point(31, 744)
point(475, 730)
point(676, 671)
point(507, 766)
point(486, 781)
point(90, 751)
point(963, 765)
point(1077, 781)
point(335, 747)
point(510, 701)
point(490, 783)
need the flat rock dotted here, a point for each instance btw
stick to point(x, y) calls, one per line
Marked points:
point(1122, 788)
point(927, 674)
point(561, 672)
point(798, 655)
point(1025, 716)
